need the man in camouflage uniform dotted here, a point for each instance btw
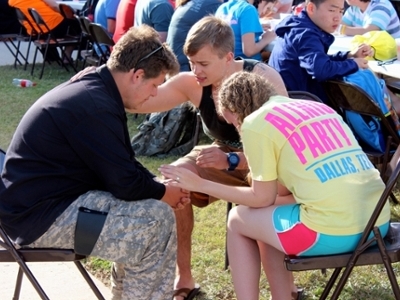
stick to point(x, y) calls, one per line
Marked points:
point(72, 149)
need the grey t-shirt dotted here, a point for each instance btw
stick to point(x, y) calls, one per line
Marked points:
point(182, 20)
point(155, 13)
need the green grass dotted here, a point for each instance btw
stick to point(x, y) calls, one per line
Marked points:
point(209, 233)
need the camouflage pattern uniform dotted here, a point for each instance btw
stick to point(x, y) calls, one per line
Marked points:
point(139, 237)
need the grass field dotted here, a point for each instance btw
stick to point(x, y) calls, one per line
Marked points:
point(209, 235)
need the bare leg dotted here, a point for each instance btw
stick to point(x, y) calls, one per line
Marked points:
point(271, 265)
point(246, 226)
point(184, 227)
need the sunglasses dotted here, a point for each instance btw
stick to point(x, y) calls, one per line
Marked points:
point(147, 56)
point(387, 62)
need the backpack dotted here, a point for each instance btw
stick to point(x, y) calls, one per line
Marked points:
point(367, 129)
point(166, 133)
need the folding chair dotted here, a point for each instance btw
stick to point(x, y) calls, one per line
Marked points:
point(346, 96)
point(9, 42)
point(90, 56)
point(9, 253)
point(47, 41)
point(24, 21)
point(102, 40)
point(385, 250)
point(304, 96)
point(66, 11)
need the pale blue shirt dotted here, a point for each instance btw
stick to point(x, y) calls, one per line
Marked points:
point(380, 13)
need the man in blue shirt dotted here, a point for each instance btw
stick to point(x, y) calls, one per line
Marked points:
point(300, 51)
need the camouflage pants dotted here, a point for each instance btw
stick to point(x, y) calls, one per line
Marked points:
point(138, 237)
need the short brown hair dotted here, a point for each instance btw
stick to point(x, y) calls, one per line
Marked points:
point(211, 31)
point(243, 93)
point(134, 45)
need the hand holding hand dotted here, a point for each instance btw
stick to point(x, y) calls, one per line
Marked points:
point(212, 157)
point(175, 197)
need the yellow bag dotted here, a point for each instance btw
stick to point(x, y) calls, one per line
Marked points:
point(383, 44)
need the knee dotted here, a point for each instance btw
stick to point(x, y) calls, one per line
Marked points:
point(163, 214)
point(234, 220)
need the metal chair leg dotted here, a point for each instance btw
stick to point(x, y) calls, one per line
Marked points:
point(89, 280)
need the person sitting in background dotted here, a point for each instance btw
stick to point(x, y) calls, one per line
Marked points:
point(72, 149)
point(294, 205)
point(273, 8)
point(105, 14)
point(49, 11)
point(250, 38)
point(265, 8)
point(300, 51)
point(124, 18)
point(155, 13)
point(368, 15)
point(187, 13)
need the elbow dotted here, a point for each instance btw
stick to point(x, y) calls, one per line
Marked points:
point(249, 51)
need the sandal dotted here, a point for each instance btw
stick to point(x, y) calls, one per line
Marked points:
point(186, 293)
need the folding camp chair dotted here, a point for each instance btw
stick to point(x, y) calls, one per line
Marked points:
point(102, 40)
point(9, 253)
point(385, 251)
point(346, 96)
point(47, 41)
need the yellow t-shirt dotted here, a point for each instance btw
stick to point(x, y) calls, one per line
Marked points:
point(307, 147)
point(50, 17)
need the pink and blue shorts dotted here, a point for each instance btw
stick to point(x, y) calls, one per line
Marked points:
point(297, 239)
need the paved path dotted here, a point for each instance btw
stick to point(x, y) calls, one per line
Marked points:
point(60, 280)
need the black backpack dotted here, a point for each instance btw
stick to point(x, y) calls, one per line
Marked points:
point(171, 132)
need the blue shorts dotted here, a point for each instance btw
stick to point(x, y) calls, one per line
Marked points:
point(298, 239)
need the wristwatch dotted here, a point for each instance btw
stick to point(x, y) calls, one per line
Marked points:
point(233, 161)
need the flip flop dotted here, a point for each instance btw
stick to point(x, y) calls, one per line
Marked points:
point(186, 293)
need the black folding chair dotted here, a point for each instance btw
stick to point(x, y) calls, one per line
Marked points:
point(89, 56)
point(46, 40)
point(385, 251)
point(13, 41)
point(22, 256)
point(304, 96)
point(346, 96)
point(28, 37)
point(102, 40)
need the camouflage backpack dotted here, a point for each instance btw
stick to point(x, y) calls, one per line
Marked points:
point(166, 133)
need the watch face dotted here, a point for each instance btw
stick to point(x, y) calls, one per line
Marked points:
point(233, 159)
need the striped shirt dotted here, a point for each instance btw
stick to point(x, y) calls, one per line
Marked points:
point(380, 13)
